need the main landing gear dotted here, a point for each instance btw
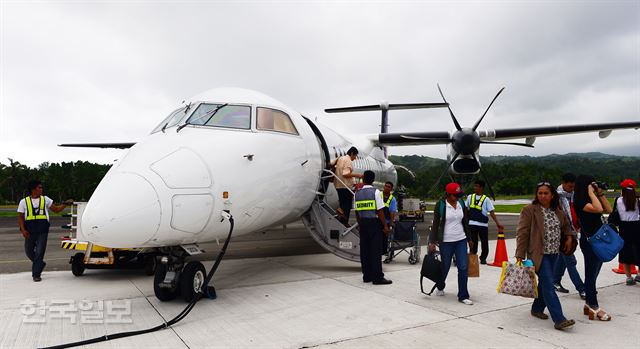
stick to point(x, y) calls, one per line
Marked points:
point(175, 277)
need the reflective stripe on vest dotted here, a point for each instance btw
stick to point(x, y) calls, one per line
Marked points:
point(478, 205)
point(366, 202)
point(30, 214)
point(388, 202)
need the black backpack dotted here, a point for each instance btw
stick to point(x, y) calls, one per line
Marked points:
point(431, 269)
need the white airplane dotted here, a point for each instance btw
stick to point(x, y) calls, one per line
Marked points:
point(235, 152)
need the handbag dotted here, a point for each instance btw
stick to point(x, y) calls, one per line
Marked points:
point(606, 242)
point(518, 280)
point(431, 269)
point(473, 265)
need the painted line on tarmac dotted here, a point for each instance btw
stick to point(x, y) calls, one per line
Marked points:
point(26, 260)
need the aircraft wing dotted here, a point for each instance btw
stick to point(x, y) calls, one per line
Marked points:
point(430, 138)
point(527, 132)
point(99, 145)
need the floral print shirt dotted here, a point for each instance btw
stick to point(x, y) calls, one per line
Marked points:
point(551, 239)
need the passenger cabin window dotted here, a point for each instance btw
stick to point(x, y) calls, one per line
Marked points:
point(275, 120)
point(222, 115)
point(171, 120)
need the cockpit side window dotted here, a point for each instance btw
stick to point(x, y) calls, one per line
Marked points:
point(275, 120)
point(222, 115)
point(171, 120)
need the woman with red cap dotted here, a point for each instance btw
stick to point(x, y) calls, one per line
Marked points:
point(627, 208)
point(450, 231)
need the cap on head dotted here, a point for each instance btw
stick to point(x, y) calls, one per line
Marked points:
point(629, 184)
point(453, 188)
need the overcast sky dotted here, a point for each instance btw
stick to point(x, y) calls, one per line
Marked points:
point(109, 71)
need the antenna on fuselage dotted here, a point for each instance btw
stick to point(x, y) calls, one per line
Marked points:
point(384, 107)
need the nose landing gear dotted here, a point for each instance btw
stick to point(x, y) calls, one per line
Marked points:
point(174, 278)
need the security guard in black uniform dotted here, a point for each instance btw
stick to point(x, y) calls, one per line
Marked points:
point(372, 224)
point(34, 225)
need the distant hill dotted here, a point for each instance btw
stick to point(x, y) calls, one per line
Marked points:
point(517, 175)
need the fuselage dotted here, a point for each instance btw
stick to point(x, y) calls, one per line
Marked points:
point(255, 157)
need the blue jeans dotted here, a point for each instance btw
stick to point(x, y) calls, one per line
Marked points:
point(569, 263)
point(592, 267)
point(447, 251)
point(547, 296)
point(36, 245)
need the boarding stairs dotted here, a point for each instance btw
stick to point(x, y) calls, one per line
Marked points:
point(322, 222)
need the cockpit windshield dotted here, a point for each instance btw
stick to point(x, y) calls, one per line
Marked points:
point(221, 115)
point(173, 119)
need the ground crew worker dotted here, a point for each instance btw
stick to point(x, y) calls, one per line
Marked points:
point(390, 209)
point(372, 225)
point(33, 219)
point(480, 207)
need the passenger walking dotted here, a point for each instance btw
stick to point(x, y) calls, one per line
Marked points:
point(372, 225)
point(344, 182)
point(590, 203)
point(450, 232)
point(540, 231)
point(628, 209)
point(480, 207)
point(33, 220)
point(564, 262)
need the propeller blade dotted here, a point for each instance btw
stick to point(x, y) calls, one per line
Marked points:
point(509, 143)
point(455, 121)
point(486, 181)
point(485, 112)
point(444, 172)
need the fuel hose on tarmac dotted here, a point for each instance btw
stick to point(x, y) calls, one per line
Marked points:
point(171, 322)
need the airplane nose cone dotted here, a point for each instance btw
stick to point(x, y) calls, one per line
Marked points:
point(124, 211)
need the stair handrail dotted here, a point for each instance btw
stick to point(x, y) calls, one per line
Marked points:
point(338, 178)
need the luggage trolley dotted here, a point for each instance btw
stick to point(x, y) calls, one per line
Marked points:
point(404, 238)
point(90, 256)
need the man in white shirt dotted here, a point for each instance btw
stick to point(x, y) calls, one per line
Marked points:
point(33, 219)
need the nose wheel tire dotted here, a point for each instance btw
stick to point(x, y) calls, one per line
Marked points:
point(77, 264)
point(191, 280)
point(163, 293)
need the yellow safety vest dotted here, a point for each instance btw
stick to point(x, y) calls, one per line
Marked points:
point(30, 213)
point(477, 205)
point(388, 202)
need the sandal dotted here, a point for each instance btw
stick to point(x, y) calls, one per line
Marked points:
point(599, 313)
point(564, 324)
point(540, 315)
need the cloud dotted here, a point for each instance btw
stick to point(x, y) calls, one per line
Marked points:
point(111, 71)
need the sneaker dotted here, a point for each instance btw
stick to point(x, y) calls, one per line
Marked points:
point(560, 289)
point(630, 281)
point(440, 293)
point(466, 301)
point(583, 294)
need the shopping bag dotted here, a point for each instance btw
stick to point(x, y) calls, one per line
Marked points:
point(606, 243)
point(518, 280)
point(473, 266)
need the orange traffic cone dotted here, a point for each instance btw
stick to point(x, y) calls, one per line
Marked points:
point(501, 252)
point(620, 269)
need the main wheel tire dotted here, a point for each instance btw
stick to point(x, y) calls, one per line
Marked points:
point(77, 265)
point(412, 258)
point(191, 280)
point(150, 264)
point(162, 293)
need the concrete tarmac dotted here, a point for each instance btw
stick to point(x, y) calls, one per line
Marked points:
point(306, 301)
point(292, 240)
